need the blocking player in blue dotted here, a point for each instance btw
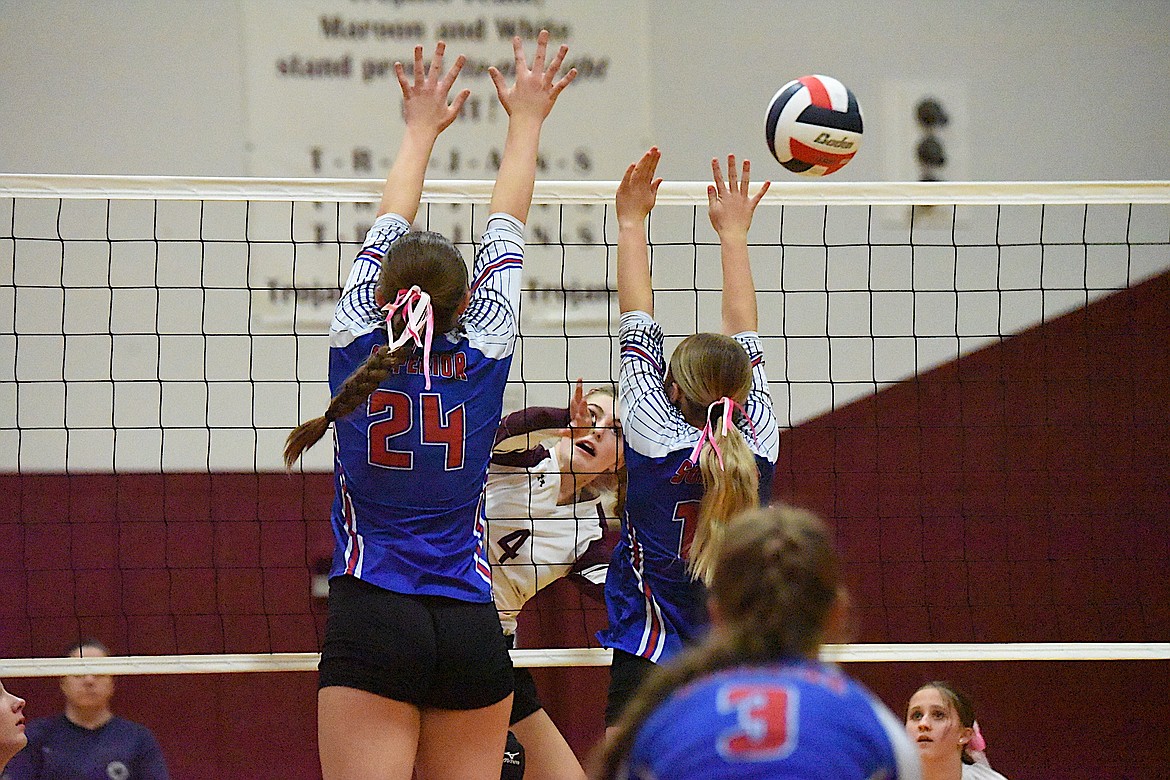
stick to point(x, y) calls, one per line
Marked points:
point(700, 435)
point(414, 669)
point(753, 701)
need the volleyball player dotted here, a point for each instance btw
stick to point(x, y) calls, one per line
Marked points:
point(940, 720)
point(753, 700)
point(549, 511)
point(700, 434)
point(12, 737)
point(414, 668)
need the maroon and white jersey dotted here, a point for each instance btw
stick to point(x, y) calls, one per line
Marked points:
point(533, 541)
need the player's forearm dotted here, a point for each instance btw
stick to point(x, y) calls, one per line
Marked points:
point(515, 180)
point(739, 291)
point(403, 189)
point(635, 288)
point(532, 418)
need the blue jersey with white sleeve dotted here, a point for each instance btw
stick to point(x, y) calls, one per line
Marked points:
point(410, 463)
point(655, 606)
point(797, 719)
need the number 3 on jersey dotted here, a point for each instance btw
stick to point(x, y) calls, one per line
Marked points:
point(765, 722)
point(396, 411)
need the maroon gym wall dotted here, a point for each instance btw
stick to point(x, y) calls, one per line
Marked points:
point(1018, 494)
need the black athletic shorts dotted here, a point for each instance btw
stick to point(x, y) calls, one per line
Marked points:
point(625, 675)
point(429, 651)
point(524, 698)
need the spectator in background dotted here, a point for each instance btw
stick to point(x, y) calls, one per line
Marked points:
point(88, 740)
point(12, 737)
point(940, 720)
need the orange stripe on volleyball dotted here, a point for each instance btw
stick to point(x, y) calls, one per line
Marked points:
point(817, 92)
point(808, 154)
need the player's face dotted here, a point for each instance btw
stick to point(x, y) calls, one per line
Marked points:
point(12, 736)
point(933, 725)
point(88, 691)
point(599, 450)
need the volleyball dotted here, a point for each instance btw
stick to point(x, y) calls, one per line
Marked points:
point(813, 126)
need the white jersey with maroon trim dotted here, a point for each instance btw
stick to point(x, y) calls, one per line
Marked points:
point(533, 541)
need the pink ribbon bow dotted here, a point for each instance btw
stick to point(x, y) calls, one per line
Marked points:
point(977, 742)
point(419, 321)
point(708, 433)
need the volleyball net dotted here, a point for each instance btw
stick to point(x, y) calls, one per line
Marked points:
point(972, 381)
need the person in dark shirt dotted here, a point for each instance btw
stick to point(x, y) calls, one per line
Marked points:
point(88, 741)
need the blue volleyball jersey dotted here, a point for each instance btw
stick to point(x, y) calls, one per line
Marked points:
point(410, 463)
point(799, 719)
point(654, 605)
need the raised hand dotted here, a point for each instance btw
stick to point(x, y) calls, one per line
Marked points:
point(731, 209)
point(536, 88)
point(425, 100)
point(579, 415)
point(638, 189)
point(728, 203)
point(528, 102)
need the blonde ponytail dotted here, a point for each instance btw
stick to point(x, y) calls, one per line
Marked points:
point(731, 484)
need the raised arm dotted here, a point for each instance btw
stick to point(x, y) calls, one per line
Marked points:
point(427, 113)
point(635, 198)
point(528, 102)
point(731, 211)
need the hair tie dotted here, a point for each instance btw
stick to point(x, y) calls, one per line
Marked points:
point(330, 416)
point(977, 742)
point(708, 433)
point(419, 320)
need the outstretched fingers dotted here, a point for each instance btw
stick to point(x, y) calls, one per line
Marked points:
point(720, 186)
point(400, 72)
point(565, 81)
point(647, 166)
point(760, 195)
point(558, 60)
point(419, 70)
point(536, 87)
point(732, 174)
point(541, 50)
point(437, 62)
point(578, 408)
point(453, 74)
point(518, 53)
point(638, 190)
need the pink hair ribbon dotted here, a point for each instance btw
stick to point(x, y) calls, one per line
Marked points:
point(708, 434)
point(419, 319)
point(977, 742)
